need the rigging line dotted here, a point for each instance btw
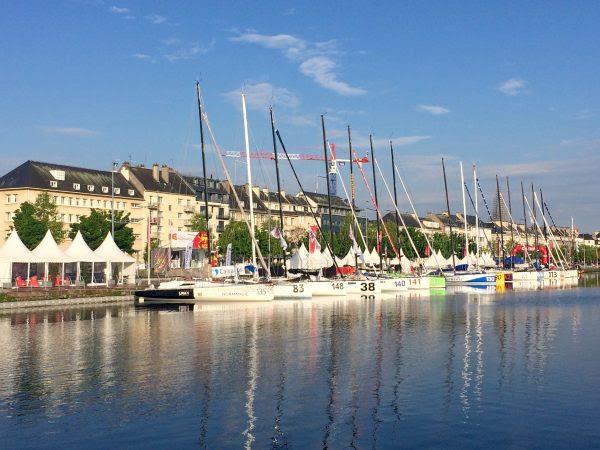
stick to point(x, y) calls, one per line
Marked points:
point(484, 200)
point(374, 203)
point(511, 218)
point(307, 202)
point(218, 151)
point(561, 257)
point(362, 237)
point(479, 221)
point(412, 205)
point(412, 243)
point(554, 223)
point(534, 220)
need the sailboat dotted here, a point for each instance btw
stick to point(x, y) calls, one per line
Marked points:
point(212, 290)
point(468, 277)
point(284, 288)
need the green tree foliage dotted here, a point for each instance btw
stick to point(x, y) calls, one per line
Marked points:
point(236, 233)
point(97, 225)
point(32, 220)
point(197, 223)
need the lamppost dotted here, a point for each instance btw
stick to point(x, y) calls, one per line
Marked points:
point(112, 197)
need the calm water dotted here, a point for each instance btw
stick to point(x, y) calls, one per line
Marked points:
point(514, 369)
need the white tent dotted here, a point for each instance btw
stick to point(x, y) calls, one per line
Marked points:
point(110, 253)
point(14, 251)
point(372, 257)
point(79, 251)
point(49, 252)
point(299, 258)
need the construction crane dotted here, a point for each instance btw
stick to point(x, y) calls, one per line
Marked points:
point(334, 162)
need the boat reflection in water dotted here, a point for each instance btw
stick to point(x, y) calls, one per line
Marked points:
point(414, 369)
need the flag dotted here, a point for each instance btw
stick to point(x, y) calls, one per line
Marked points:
point(277, 234)
point(427, 250)
point(355, 245)
point(228, 255)
point(313, 243)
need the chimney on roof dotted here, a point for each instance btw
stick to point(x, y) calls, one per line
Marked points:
point(164, 173)
point(125, 170)
point(155, 172)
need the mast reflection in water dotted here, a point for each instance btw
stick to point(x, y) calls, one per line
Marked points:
point(507, 369)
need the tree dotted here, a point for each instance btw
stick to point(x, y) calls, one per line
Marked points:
point(32, 220)
point(197, 223)
point(237, 234)
point(97, 225)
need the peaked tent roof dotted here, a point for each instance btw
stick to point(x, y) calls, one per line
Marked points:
point(14, 250)
point(47, 250)
point(109, 251)
point(80, 251)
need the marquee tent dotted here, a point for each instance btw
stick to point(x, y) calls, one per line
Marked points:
point(48, 252)
point(14, 251)
point(110, 253)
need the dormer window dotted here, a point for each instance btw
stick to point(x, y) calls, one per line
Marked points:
point(76, 186)
point(117, 191)
point(131, 192)
point(90, 187)
point(105, 189)
point(53, 183)
point(58, 174)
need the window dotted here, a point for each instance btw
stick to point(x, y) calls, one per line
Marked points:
point(131, 192)
point(76, 186)
point(116, 191)
point(179, 216)
point(160, 199)
point(56, 199)
point(53, 183)
point(58, 174)
point(105, 189)
point(180, 201)
point(106, 204)
point(85, 202)
point(135, 205)
point(8, 216)
point(90, 187)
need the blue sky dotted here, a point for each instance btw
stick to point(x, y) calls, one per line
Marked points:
point(509, 86)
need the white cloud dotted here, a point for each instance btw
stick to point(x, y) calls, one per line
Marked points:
point(141, 56)
point(435, 110)
point(299, 120)
point(315, 58)
point(180, 51)
point(156, 19)
point(261, 95)
point(69, 131)
point(321, 70)
point(117, 10)
point(512, 87)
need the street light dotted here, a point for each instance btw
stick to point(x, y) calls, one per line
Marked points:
point(112, 197)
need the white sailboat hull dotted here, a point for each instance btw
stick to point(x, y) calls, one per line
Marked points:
point(363, 287)
point(530, 276)
point(329, 288)
point(481, 279)
point(292, 290)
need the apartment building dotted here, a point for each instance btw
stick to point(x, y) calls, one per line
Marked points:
point(340, 208)
point(218, 203)
point(296, 213)
point(169, 200)
point(74, 190)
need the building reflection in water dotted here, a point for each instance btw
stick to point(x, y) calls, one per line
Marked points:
point(330, 373)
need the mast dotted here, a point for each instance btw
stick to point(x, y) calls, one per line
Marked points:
point(396, 202)
point(535, 240)
point(278, 186)
point(449, 216)
point(476, 215)
point(501, 252)
point(464, 201)
point(327, 178)
point(352, 188)
point(287, 156)
point(524, 217)
point(206, 215)
point(512, 233)
point(249, 175)
point(376, 200)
